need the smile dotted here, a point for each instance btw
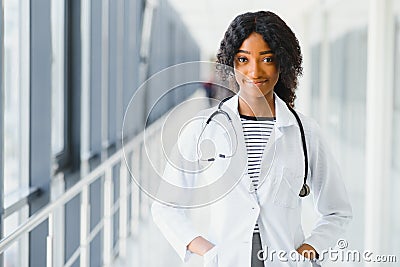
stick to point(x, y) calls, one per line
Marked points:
point(257, 83)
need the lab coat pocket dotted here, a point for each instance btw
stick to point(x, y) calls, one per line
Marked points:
point(288, 188)
point(210, 259)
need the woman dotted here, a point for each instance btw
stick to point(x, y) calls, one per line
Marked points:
point(263, 227)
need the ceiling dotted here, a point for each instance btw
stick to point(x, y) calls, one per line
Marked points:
point(207, 20)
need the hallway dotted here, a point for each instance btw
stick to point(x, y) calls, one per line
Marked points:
point(94, 94)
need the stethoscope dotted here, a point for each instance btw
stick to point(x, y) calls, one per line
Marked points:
point(305, 190)
point(215, 113)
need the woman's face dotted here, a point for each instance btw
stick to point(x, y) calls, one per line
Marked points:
point(255, 68)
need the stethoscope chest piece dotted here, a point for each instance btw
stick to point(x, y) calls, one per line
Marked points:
point(305, 190)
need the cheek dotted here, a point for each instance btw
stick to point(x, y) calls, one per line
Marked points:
point(239, 76)
point(277, 74)
point(274, 74)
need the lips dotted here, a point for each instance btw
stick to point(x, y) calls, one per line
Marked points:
point(257, 83)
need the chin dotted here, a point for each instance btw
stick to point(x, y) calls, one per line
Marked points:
point(251, 95)
point(253, 92)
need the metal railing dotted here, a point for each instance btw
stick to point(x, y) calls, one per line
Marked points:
point(129, 191)
point(130, 154)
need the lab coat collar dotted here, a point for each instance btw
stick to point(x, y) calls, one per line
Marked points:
point(283, 115)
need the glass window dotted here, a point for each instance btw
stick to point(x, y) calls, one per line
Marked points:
point(395, 183)
point(347, 96)
point(16, 90)
point(12, 101)
point(346, 114)
point(315, 80)
point(11, 254)
point(16, 115)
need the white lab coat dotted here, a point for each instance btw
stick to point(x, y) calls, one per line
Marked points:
point(277, 203)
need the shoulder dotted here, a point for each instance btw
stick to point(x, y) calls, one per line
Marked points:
point(206, 112)
point(195, 124)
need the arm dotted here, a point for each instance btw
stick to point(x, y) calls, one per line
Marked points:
point(168, 213)
point(170, 218)
point(180, 233)
point(329, 194)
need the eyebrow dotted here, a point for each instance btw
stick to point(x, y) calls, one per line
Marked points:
point(261, 53)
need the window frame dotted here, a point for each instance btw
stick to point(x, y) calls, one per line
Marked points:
point(62, 159)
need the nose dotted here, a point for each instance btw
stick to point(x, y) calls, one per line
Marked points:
point(254, 71)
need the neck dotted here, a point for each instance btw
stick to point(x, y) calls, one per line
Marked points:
point(257, 106)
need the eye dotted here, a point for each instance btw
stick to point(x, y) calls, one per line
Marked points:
point(242, 59)
point(268, 59)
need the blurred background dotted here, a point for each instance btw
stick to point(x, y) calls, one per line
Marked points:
point(70, 67)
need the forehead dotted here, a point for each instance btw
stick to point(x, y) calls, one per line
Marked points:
point(254, 43)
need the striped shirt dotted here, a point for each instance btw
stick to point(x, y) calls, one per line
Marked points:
point(257, 131)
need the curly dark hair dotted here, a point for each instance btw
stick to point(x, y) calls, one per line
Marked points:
point(280, 39)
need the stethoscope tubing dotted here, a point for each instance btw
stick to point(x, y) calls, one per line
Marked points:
point(305, 190)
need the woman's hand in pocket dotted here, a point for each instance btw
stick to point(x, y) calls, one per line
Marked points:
point(206, 249)
point(307, 251)
point(200, 246)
